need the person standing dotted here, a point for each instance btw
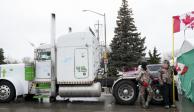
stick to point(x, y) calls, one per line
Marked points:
point(144, 80)
point(166, 78)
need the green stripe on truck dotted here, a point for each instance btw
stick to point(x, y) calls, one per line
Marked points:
point(43, 86)
point(29, 73)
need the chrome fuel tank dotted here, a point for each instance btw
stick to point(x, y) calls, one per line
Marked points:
point(93, 90)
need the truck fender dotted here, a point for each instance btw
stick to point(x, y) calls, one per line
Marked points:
point(123, 78)
point(125, 90)
point(19, 89)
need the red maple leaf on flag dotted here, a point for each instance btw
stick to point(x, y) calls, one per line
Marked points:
point(187, 20)
point(192, 25)
point(177, 68)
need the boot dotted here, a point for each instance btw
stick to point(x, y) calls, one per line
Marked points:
point(173, 106)
point(142, 101)
point(148, 100)
point(146, 104)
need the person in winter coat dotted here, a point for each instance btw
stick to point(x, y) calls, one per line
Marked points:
point(166, 78)
point(144, 80)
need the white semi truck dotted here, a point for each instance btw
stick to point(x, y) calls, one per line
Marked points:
point(65, 68)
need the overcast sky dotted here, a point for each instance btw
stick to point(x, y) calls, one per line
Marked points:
point(29, 20)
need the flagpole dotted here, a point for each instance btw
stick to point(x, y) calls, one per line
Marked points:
point(173, 91)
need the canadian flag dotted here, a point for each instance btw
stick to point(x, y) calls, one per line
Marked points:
point(183, 21)
point(181, 68)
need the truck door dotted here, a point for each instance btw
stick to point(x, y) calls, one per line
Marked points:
point(81, 63)
point(43, 64)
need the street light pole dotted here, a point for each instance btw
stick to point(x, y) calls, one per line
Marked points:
point(105, 30)
point(98, 27)
point(105, 57)
point(104, 23)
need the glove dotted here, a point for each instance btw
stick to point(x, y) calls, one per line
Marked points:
point(145, 84)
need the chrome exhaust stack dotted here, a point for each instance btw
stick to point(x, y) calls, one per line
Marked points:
point(53, 56)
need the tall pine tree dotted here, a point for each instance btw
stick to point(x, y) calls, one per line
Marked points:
point(154, 57)
point(2, 56)
point(127, 46)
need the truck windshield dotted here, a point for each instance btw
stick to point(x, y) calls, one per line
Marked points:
point(46, 55)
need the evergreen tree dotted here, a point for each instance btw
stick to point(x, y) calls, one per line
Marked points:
point(127, 46)
point(154, 57)
point(2, 56)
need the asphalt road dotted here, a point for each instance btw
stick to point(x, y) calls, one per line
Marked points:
point(105, 103)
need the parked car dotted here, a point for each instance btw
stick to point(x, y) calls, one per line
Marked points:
point(153, 69)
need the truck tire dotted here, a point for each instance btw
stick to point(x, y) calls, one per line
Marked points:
point(125, 92)
point(7, 92)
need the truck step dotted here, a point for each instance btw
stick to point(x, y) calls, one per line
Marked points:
point(40, 96)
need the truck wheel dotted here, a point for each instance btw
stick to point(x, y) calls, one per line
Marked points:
point(125, 92)
point(7, 91)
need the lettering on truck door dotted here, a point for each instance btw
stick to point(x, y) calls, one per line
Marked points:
point(81, 63)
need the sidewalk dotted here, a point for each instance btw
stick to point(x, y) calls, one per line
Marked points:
point(184, 105)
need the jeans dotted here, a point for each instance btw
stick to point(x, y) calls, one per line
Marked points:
point(175, 93)
point(167, 94)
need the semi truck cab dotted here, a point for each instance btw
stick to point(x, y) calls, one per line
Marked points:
point(66, 68)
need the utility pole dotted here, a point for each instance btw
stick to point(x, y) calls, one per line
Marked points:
point(98, 30)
